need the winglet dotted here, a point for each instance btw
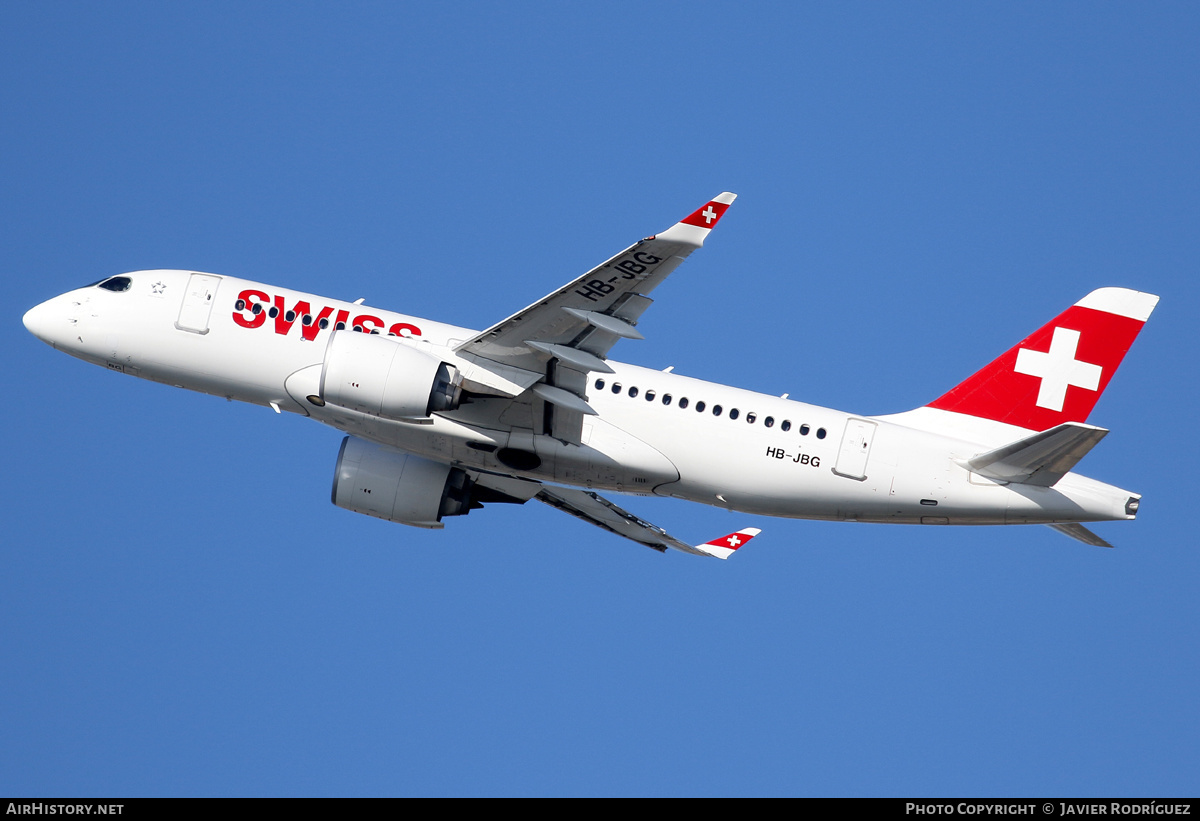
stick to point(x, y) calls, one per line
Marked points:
point(724, 547)
point(693, 229)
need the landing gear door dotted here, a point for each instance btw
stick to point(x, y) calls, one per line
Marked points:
point(197, 303)
point(855, 448)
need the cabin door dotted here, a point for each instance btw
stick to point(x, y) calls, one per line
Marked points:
point(197, 303)
point(856, 447)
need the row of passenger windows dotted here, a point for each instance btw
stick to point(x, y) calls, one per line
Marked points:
point(734, 413)
point(307, 319)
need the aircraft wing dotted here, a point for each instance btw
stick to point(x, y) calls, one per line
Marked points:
point(585, 317)
point(597, 510)
point(562, 337)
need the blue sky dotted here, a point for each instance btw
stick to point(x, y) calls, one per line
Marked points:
point(182, 612)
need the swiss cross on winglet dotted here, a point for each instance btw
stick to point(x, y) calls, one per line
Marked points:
point(707, 216)
point(723, 547)
point(694, 228)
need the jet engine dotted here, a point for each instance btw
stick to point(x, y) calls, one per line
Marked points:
point(400, 487)
point(380, 376)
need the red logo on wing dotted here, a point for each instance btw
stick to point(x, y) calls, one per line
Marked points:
point(707, 216)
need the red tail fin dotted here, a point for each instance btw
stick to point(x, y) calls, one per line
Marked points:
point(1057, 373)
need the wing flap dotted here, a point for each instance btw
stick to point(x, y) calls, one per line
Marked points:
point(595, 509)
point(485, 376)
point(516, 490)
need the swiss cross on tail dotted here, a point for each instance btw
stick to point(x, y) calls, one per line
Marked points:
point(1056, 374)
point(723, 547)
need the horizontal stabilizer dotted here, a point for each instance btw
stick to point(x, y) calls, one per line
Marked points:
point(1041, 459)
point(1080, 534)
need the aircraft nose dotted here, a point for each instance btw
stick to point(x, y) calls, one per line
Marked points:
point(42, 321)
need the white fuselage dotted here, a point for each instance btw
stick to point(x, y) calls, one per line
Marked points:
point(758, 454)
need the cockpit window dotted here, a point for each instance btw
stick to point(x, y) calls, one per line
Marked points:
point(116, 284)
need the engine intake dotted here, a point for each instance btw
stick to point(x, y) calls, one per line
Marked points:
point(380, 376)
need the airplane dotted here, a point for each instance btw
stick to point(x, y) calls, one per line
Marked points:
point(443, 420)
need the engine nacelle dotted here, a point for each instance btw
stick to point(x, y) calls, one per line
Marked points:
point(389, 484)
point(380, 376)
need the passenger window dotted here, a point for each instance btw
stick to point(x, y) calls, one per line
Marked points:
point(804, 430)
point(599, 384)
point(750, 417)
point(632, 392)
point(649, 396)
point(341, 326)
point(785, 425)
point(820, 433)
point(274, 312)
point(733, 413)
point(666, 398)
point(683, 402)
point(716, 410)
point(616, 388)
point(769, 421)
point(699, 407)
